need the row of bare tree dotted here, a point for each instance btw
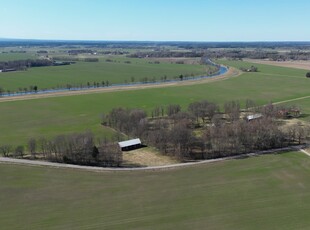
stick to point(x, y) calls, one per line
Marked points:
point(79, 148)
point(204, 132)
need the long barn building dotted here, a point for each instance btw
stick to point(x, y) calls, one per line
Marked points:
point(130, 144)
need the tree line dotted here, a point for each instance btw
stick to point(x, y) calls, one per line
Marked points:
point(257, 54)
point(226, 53)
point(78, 148)
point(24, 64)
point(166, 54)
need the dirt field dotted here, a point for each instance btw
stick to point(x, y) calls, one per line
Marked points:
point(232, 72)
point(290, 64)
point(295, 121)
point(146, 157)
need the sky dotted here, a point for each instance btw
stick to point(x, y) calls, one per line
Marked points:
point(156, 20)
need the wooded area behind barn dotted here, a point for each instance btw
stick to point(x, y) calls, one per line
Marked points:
point(203, 132)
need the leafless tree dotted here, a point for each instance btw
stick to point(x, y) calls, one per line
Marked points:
point(5, 150)
point(32, 147)
point(232, 109)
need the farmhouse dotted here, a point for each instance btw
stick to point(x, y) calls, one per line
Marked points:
point(130, 144)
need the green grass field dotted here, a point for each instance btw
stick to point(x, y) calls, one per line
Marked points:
point(21, 120)
point(83, 72)
point(265, 192)
point(16, 56)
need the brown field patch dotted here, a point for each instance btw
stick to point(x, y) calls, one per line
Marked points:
point(147, 157)
point(291, 64)
point(188, 61)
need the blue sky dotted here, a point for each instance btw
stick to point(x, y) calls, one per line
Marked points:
point(157, 20)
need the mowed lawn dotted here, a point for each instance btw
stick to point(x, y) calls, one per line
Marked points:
point(265, 192)
point(21, 120)
point(83, 72)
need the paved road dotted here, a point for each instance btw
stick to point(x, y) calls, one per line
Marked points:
point(173, 166)
point(305, 152)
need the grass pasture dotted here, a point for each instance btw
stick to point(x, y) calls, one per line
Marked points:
point(16, 56)
point(265, 192)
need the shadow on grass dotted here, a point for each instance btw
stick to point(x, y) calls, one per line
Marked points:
point(134, 148)
point(304, 115)
point(132, 165)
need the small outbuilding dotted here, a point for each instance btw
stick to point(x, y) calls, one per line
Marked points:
point(130, 144)
point(254, 117)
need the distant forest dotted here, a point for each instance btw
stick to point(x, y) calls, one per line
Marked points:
point(233, 50)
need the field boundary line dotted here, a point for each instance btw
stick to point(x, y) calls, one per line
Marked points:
point(5, 160)
point(289, 100)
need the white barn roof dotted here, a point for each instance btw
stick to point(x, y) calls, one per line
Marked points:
point(254, 116)
point(128, 143)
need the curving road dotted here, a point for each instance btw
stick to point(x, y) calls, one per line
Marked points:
point(153, 168)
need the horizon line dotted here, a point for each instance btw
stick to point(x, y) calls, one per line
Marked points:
point(2, 39)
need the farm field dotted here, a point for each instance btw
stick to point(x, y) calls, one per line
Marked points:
point(265, 192)
point(290, 64)
point(21, 120)
point(81, 73)
point(267, 69)
point(16, 56)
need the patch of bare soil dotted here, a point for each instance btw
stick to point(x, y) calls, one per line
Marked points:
point(290, 64)
point(145, 157)
point(295, 121)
